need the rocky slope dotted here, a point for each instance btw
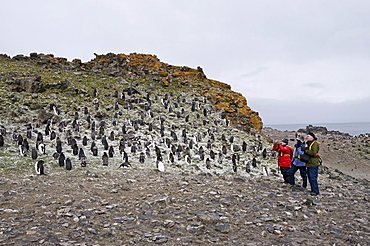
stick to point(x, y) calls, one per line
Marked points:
point(40, 73)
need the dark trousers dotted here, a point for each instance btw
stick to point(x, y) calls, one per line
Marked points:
point(302, 170)
point(285, 172)
point(313, 173)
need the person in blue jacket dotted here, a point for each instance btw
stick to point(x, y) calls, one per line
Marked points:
point(297, 164)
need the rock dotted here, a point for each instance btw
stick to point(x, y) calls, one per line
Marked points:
point(43, 116)
point(208, 218)
point(223, 227)
point(195, 228)
point(160, 239)
point(27, 84)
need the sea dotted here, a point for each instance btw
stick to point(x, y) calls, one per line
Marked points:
point(353, 129)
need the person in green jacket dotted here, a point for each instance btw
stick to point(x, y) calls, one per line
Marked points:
point(312, 150)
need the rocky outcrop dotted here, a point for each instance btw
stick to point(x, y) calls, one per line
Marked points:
point(322, 130)
point(149, 67)
point(143, 68)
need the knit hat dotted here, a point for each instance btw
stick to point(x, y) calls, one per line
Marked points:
point(285, 140)
point(300, 138)
point(312, 135)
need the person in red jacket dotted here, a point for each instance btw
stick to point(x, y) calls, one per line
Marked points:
point(284, 158)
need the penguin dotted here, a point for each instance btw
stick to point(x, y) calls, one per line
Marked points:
point(136, 126)
point(142, 157)
point(220, 158)
point(101, 131)
point(75, 149)
point(81, 154)
point(193, 105)
point(224, 150)
point(68, 164)
point(173, 149)
point(59, 148)
point(56, 111)
point(244, 146)
point(265, 171)
point(254, 162)
point(105, 143)
point(34, 154)
point(93, 135)
point(53, 135)
point(61, 159)
point(234, 160)
point(264, 153)
point(208, 163)
point(125, 163)
point(111, 136)
point(205, 112)
point(83, 162)
point(93, 126)
point(25, 145)
point(235, 168)
point(171, 158)
point(209, 144)
point(1, 140)
point(133, 148)
point(111, 151)
point(121, 145)
point(273, 154)
point(105, 159)
point(188, 159)
point(15, 136)
point(72, 142)
point(84, 141)
point(39, 167)
point(160, 166)
point(235, 148)
point(19, 140)
point(94, 150)
point(231, 139)
point(29, 133)
point(201, 156)
point(174, 135)
point(41, 148)
point(212, 154)
point(40, 138)
point(47, 130)
point(247, 167)
point(55, 155)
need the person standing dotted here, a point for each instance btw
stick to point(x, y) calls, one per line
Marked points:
point(312, 150)
point(297, 164)
point(284, 158)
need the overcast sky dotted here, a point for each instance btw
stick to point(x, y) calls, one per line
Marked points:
point(295, 61)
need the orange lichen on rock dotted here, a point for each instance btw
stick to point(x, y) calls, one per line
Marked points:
point(220, 94)
point(147, 61)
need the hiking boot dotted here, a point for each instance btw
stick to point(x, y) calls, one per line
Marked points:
point(316, 201)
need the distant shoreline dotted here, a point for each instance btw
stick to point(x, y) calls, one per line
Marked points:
point(354, 129)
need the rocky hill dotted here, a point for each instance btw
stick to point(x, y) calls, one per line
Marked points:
point(47, 75)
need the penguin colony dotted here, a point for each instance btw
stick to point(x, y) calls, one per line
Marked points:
point(142, 129)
